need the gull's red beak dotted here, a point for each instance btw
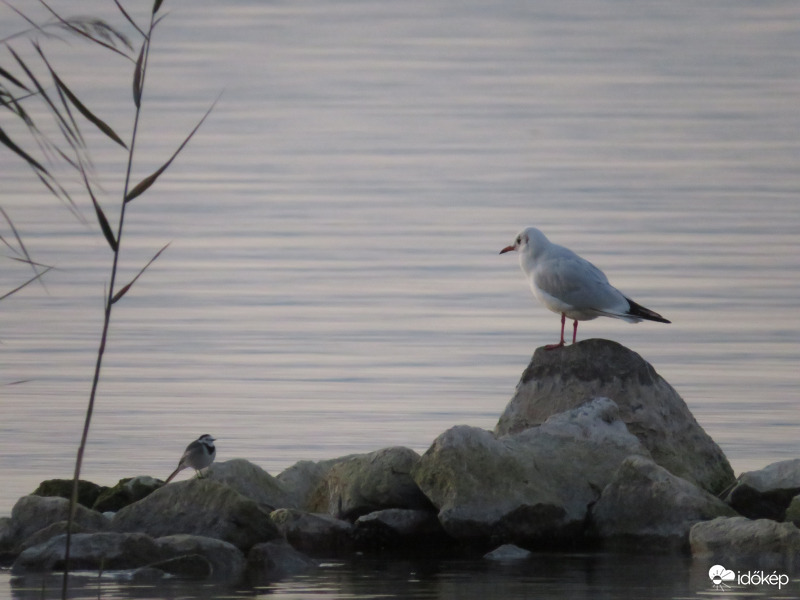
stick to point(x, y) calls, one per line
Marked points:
point(507, 249)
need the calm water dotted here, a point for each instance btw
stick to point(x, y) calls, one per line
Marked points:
point(333, 283)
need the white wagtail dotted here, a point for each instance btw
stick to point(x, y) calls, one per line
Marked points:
point(198, 455)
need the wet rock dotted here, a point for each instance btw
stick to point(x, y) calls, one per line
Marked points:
point(646, 504)
point(559, 380)
point(364, 483)
point(314, 534)
point(741, 543)
point(275, 560)
point(400, 530)
point(200, 557)
point(33, 513)
point(507, 552)
point(252, 482)
point(768, 492)
point(531, 487)
point(92, 551)
point(88, 492)
point(48, 532)
point(8, 537)
point(198, 507)
point(125, 492)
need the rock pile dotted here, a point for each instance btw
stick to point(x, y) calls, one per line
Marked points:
point(594, 449)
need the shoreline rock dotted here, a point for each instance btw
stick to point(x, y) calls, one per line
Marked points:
point(593, 450)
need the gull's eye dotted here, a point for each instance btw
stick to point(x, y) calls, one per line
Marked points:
point(519, 240)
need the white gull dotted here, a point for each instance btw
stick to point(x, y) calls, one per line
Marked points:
point(572, 286)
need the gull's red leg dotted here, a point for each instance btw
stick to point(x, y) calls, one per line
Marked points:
point(561, 343)
point(574, 330)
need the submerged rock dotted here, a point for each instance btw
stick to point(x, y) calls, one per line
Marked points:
point(738, 542)
point(198, 507)
point(647, 504)
point(507, 553)
point(200, 557)
point(531, 487)
point(400, 530)
point(768, 492)
point(314, 534)
point(559, 380)
point(275, 560)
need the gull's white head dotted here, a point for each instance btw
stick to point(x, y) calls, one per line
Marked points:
point(529, 240)
point(530, 243)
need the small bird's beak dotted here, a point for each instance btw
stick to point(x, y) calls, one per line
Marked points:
point(507, 249)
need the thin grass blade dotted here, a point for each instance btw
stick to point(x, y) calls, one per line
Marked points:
point(90, 116)
point(9, 143)
point(12, 79)
point(27, 283)
point(137, 76)
point(145, 183)
point(125, 289)
point(156, 6)
point(101, 216)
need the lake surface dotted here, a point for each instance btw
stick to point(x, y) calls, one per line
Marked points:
point(333, 283)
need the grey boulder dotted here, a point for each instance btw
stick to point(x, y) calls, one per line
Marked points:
point(363, 483)
point(252, 482)
point(94, 551)
point(35, 513)
point(766, 493)
point(529, 487)
point(198, 507)
point(645, 501)
point(559, 380)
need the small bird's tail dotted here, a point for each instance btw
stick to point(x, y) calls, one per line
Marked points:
point(639, 311)
point(175, 472)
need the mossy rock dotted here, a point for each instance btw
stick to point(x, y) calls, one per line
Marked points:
point(127, 491)
point(88, 492)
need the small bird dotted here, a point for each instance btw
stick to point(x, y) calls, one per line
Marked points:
point(572, 286)
point(198, 455)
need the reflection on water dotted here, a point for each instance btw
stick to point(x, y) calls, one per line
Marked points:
point(595, 577)
point(333, 283)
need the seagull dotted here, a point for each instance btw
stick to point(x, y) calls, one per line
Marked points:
point(572, 286)
point(198, 455)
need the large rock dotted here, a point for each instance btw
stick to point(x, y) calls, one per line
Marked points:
point(198, 507)
point(127, 491)
point(645, 501)
point(559, 380)
point(738, 542)
point(33, 513)
point(766, 493)
point(302, 478)
point(363, 483)
point(253, 482)
point(92, 551)
point(531, 487)
point(314, 534)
